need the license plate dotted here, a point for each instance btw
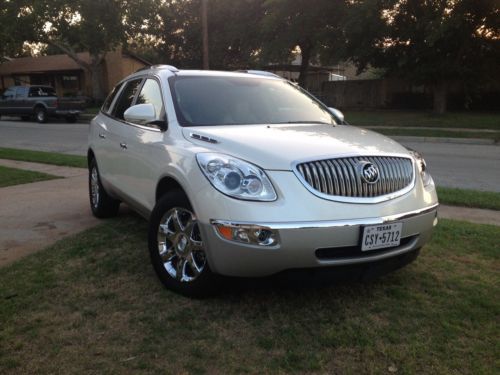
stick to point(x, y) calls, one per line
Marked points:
point(381, 236)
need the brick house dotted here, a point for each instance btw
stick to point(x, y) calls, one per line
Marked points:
point(64, 74)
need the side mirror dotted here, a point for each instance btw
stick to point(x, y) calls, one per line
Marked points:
point(337, 114)
point(140, 114)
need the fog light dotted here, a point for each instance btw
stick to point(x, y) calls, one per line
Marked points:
point(250, 234)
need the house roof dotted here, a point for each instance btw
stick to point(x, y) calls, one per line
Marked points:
point(42, 64)
point(49, 63)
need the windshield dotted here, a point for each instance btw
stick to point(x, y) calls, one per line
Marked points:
point(205, 101)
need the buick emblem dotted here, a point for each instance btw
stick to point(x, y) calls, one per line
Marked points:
point(369, 172)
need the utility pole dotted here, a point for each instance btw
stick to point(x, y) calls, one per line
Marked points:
point(204, 26)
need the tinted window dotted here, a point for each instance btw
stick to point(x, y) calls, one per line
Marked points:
point(21, 92)
point(126, 98)
point(151, 94)
point(41, 92)
point(9, 93)
point(109, 99)
point(201, 100)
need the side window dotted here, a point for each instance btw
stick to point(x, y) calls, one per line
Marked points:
point(151, 94)
point(9, 93)
point(109, 99)
point(34, 92)
point(126, 98)
point(48, 91)
point(21, 92)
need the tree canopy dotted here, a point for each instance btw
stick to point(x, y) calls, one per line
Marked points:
point(435, 42)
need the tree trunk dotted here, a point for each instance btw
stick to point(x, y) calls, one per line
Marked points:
point(440, 97)
point(305, 50)
point(97, 82)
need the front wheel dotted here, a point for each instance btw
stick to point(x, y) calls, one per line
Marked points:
point(101, 203)
point(177, 249)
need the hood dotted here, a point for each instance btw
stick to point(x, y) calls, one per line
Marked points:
point(276, 147)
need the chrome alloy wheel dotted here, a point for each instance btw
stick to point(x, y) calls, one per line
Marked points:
point(94, 187)
point(180, 245)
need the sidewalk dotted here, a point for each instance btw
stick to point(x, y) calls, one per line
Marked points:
point(34, 216)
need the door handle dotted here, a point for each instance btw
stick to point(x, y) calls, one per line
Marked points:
point(123, 145)
point(101, 135)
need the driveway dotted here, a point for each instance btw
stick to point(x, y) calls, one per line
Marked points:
point(33, 216)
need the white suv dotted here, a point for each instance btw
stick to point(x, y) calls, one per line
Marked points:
point(246, 174)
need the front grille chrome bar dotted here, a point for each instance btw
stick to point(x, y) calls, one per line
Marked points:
point(341, 179)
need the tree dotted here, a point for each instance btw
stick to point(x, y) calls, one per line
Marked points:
point(433, 42)
point(234, 33)
point(73, 26)
point(312, 25)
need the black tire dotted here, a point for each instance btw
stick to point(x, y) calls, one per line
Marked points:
point(204, 282)
point(71, 119)
point(41, 115)
point(101, 204)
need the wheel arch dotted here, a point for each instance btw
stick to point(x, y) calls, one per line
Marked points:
point(90, 157)
point(166, 184)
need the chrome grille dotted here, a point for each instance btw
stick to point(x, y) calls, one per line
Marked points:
point(342, 177)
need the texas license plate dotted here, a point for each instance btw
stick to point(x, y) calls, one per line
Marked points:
point(381, 236)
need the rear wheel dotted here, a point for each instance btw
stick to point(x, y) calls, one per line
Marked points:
point(177, 249)
point(101, 203)
point(41, 115)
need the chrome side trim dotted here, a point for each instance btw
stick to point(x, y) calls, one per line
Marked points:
point(328, 224)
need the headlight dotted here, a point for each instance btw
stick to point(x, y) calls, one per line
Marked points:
point(236, 178)
point(422, 168)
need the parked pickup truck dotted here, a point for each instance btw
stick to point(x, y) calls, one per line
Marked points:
point(40, 102)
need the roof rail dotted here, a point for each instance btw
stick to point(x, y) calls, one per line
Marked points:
point(160, 66)
point(259, 73)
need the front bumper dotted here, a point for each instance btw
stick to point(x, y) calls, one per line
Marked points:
point(313, 244)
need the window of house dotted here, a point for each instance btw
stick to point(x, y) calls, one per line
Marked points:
point(70, 82)
point(151, 94)
point(126, 98)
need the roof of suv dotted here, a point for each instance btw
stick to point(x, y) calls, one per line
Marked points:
point(214, 73)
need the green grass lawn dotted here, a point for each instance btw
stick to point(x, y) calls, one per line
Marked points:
point(14, 176)
point(476, 120)
point(44, 157)
point(92, 304)
point(439, 133)
point(469, 198)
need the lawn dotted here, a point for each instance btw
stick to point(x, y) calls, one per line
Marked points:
point(469, 198)
point(43, 157)
point(13, 176)
point(92, 304)
point(474, 120)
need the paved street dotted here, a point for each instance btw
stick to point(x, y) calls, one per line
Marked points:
point(452, 165)
point(56, 136)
